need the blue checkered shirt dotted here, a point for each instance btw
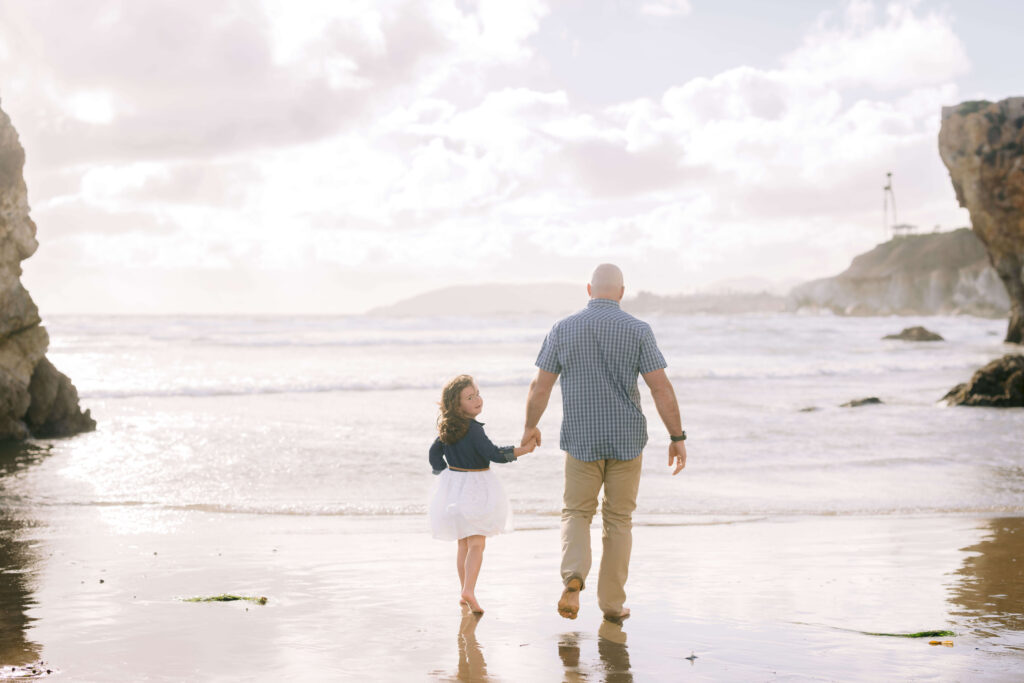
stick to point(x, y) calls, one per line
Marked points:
point(599, 353)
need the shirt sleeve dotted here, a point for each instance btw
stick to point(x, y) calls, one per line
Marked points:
point(437, 462)
point(484, 447)
point(651, 358)
point(547, 359)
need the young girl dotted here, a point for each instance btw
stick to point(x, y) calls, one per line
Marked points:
point(469, 502)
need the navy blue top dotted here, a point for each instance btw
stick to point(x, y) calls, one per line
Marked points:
point(474, 451)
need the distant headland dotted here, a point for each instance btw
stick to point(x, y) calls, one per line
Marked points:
point(932, 274)
point(944, 273)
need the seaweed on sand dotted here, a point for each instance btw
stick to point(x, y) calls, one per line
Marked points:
point(227, 598)
point(919, 634)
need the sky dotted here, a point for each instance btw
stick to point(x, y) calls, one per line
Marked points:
point(272, 156)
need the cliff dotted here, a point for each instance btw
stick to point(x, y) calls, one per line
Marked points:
point(982, 145)
point(934, 274)
point(35, 398)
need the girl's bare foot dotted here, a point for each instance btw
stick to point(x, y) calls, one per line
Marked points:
point(470, 600)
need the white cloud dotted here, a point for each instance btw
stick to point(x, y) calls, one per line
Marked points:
point(92, 106)
point(299, 32)
point(387, 139)
point(666, 8)
point(507, 25)
point(908, 49)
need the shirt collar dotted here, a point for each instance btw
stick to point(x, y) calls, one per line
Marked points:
point(602, 302)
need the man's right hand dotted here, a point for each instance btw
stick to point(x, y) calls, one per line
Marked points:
point(677, 450)
point(530, 434)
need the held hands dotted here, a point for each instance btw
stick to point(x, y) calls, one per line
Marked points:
point(677, 450)
point(527, 447)
point(530, 441)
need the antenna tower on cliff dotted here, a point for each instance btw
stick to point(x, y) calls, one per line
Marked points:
point(888, 196)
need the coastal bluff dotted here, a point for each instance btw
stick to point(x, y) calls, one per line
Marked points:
point(982, 145)
point(931, 274)
point(35, 398)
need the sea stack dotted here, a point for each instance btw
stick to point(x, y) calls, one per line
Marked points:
point(35, 398)
point(982, 145)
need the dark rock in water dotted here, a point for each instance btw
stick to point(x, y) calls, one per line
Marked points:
point(54, 409)
point(856, 403)
point(915, 334)
point(809, 409)
point(1000, 384)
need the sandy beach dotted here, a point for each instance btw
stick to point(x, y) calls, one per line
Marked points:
point(97, 593)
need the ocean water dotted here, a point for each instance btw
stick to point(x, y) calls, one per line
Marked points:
point(333, 416)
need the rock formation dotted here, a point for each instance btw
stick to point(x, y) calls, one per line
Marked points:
point(982, 145)
point(918, 333)
point(858, 402)
point(1000, 384)
point(35, 399)
point(933, 274)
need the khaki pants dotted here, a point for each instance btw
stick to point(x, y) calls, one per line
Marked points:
point(583, 481)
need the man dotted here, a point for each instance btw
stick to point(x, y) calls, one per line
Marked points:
point(599, 352)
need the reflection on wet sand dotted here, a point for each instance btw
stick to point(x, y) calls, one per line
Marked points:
point(611, 649)
point(16, 559)
point(990, 592)
point(472, 666)
point(569, 653)
point(611, 646)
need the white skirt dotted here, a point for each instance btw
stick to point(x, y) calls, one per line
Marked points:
point(469, 504)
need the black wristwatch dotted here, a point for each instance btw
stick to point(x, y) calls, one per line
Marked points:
point(681, 437)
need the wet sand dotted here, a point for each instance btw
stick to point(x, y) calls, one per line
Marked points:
point(95, 592)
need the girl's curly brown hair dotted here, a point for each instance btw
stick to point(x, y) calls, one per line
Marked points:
point(452, 425)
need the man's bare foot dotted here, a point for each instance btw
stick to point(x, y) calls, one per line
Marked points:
point(569, 603)
point(470, 600)
point(617, 618)
point(462, 601)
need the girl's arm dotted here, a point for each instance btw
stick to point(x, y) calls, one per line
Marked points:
point(487, 449)
point(437, 457)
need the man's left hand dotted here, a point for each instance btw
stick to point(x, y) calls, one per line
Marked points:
point(677, 450)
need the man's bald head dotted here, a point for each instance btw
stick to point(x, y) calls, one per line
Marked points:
point(606, 283)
